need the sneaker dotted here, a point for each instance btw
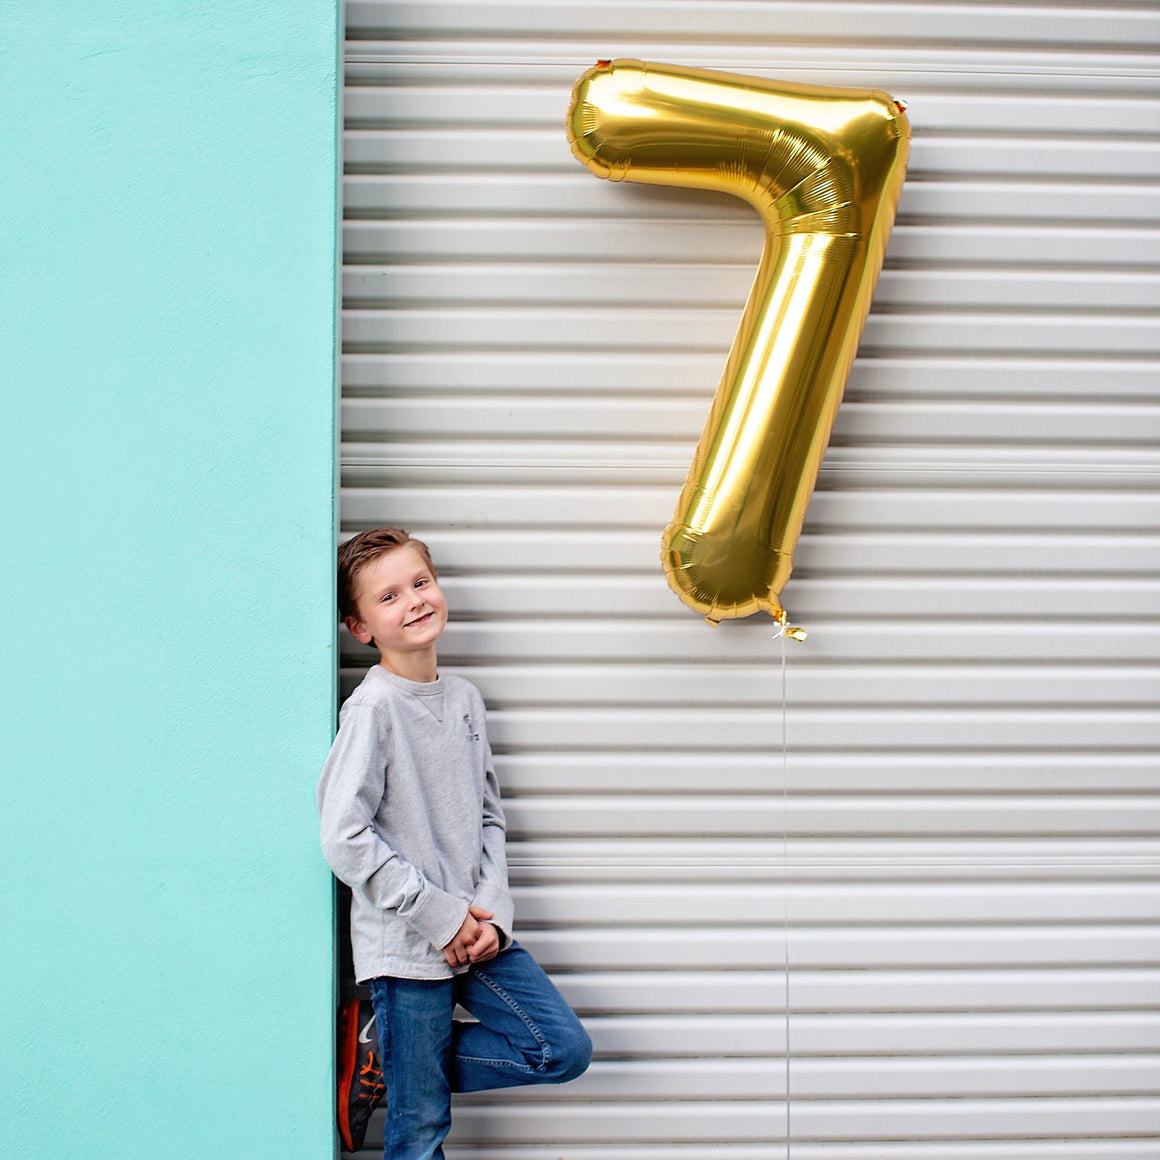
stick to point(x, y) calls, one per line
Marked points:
point(360, 1075)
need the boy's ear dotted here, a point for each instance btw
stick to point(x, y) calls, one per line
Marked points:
point(358, 630)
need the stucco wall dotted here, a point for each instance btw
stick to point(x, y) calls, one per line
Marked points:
point(167, 331)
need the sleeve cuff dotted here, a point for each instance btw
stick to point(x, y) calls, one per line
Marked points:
point(437, 916)
point(503, 915)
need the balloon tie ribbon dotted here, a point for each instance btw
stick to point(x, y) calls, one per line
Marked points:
point(783, 628)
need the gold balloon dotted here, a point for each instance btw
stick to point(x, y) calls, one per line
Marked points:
point(824, 168)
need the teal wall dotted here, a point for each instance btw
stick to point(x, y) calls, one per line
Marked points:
point(167, 336)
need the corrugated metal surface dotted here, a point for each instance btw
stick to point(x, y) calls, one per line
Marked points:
point(961, 842)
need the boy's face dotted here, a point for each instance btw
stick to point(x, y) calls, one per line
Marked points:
point(399, 606)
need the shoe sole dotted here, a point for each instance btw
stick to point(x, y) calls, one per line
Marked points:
point(347, 1058)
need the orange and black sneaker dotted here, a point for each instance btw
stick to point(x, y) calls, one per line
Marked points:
point(360, 1073)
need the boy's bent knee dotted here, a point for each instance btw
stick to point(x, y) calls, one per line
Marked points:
point(573, 1055)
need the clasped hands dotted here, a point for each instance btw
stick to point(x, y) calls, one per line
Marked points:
point(476, 942)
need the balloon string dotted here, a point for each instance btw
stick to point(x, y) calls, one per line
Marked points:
point(781, 634)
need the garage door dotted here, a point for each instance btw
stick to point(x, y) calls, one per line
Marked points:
point(898, 898)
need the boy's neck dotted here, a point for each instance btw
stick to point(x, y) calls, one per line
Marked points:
point(421, 667)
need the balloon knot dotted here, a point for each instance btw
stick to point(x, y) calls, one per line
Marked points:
point(782, 627)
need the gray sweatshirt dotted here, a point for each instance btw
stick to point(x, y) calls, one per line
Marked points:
point(412, 822)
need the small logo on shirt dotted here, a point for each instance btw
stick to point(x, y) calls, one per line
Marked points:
point(471, 734)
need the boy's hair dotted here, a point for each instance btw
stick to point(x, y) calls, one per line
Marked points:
point(364, 549)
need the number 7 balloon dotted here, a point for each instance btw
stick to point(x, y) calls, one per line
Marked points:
point(824, 168)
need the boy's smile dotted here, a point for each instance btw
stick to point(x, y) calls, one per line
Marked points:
point(401, 610)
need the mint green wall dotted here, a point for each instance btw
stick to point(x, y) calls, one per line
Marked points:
point(167, 330)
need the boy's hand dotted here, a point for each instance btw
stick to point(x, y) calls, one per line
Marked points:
point(486, 946)
point(457, 951)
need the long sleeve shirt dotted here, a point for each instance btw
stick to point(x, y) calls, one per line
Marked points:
point(411, 820)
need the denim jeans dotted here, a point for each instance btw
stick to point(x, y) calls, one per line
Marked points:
point(526, 1034)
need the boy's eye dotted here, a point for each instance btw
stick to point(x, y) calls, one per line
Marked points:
point(387, 596)
point(422, 583)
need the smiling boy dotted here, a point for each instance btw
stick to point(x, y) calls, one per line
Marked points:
point(412, 822)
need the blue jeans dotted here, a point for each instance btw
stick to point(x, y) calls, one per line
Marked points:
point(526, 1034)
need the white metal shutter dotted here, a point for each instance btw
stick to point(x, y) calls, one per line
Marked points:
point(962, 841)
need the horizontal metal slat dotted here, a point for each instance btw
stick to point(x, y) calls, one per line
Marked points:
point(673, 374)
point(760, 992)
point(819, 775)
point(568, 422)
point(889, 597)
point(515, 149)
point(752, 947)
point(849, 464)
point(759, 686)
point(991, 510)
point(853, 905)
point(851, 858)
point(963, 554)
point(812, 779)
point(877, 1120)
point(711, 286)
point(653, 433)
point(1119, 1148)
point(577, 196)
point(964, 68)
point(646, 329)
point(635, 1080)
point(713, 730)
point(713, 1121)
point(687, 638)
point(1050, 245)
point(770, 817)
point(725, 20)
point(437, 105)
point(889, 1035)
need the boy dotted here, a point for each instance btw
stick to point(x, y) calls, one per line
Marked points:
point(412, 822)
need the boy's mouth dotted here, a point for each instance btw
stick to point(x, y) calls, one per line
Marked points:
point(419, 620)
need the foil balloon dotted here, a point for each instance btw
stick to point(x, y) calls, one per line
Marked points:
point(824, 168)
